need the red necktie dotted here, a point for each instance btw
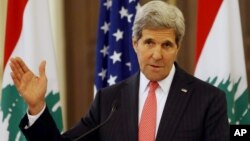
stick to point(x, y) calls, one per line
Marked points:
point(148, 117)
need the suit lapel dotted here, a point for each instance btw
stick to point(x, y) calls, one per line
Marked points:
point(129, 104)
point(177, 100)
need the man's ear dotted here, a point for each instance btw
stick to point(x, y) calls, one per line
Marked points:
point(178, 48)
point(135, 44)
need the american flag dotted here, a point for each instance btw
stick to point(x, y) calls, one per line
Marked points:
point(115, 56)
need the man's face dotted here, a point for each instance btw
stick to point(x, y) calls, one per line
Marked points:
point(156, 52)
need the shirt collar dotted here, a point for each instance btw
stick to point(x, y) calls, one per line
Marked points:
point(164, 84)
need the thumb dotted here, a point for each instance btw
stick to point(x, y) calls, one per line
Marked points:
point(42, 69)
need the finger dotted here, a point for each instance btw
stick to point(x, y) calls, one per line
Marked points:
point(16, 83)
point(22, 64)
point(15, 80)
point(16, 67)
point(42, 69)
point(15, 71)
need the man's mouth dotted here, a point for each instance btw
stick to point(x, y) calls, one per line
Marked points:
point(156, 66)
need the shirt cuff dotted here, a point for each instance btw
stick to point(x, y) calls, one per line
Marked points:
point(33, 118)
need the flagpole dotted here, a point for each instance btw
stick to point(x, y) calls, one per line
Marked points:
point(57, 22)
point(3, 8)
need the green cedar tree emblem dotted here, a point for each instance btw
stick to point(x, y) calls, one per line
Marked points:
point(238, 110)
point(13, 109)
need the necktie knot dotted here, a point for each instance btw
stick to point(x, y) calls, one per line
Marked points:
point(153, 86)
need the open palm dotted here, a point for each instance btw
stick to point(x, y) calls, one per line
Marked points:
point(31, 87)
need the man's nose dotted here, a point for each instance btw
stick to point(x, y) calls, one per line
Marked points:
point(157, 52)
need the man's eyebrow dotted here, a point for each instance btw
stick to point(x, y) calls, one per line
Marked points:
point(148, 39)
point(167, 42)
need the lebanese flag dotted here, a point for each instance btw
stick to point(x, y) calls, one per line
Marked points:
point(220, 55)
point(28, 35)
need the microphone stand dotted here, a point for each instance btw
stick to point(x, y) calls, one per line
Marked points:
point(114, 108)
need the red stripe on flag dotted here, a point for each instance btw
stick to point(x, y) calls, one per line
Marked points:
point(207, 11)
point(13, 26)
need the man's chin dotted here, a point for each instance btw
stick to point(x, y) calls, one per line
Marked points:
point(155, 76)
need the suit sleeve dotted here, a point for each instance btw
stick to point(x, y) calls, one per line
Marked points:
point(216, 125)
point(44, 129)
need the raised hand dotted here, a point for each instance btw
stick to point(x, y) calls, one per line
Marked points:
point(31, 87)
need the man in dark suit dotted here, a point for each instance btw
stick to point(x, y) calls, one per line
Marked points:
point(161, 102)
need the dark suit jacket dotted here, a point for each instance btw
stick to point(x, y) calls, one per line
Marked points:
point(194, 111)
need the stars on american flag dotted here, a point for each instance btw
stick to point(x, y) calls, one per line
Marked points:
point(105, 27)
point(102, 74)
point(112, 80)
point(129, 65)
point(115, 58)
point(104, 51)
point(108, 4)
point(118, 35)
point(124, 13)
point(132, 1)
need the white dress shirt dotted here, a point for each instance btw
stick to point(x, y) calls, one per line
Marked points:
point(161, 94)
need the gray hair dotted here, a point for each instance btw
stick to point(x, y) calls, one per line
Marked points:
point(159, 14)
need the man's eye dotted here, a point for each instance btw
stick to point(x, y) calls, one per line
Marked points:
point(149, 42)
point(168, 45)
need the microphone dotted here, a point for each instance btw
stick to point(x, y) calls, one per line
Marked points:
point(114, 108)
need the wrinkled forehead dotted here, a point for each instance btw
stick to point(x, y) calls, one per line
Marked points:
point(158, 33)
